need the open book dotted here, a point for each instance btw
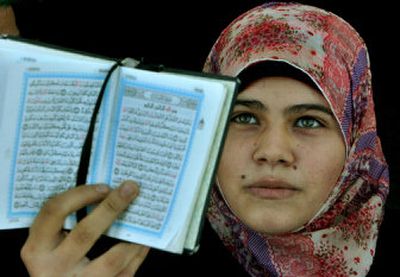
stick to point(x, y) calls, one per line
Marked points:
point(163, 129)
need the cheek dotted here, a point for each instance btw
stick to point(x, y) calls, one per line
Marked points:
point(325, 167)
point(233, 160)
point(230, 161)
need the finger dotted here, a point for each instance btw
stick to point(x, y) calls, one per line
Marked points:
point(135, 263)
point(117, 260)
point(45, 231)
point(88, 230)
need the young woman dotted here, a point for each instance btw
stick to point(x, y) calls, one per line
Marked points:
point(302, 182)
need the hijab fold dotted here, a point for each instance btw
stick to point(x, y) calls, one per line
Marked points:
point(340, 239)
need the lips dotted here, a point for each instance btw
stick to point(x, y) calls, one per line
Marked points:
point(272, 188)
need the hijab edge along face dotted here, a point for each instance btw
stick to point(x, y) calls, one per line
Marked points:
point(335, 190)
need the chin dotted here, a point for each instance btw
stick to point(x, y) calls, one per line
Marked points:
point(274, 227)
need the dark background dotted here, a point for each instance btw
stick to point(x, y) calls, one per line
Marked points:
point(179, 34)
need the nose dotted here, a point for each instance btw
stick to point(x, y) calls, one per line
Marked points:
point(274, 147)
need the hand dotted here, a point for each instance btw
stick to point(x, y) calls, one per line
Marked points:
point(49, 251)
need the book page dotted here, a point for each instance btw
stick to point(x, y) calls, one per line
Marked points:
point(47, 110)
point(153, 136)
point(14, 52)
point(160, 139)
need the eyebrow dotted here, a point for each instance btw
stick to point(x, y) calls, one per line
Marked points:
point(300, 108)
point(308, 107)
point(253, 104)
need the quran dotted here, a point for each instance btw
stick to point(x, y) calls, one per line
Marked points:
point(161, 128)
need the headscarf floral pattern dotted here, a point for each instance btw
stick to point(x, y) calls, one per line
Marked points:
point(340, 239)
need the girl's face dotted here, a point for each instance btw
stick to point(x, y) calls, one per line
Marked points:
point(283, 154)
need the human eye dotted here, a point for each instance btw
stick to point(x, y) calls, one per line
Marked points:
point(244, 118)
point(308, 122)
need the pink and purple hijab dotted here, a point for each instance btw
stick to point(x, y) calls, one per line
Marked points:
point(340, 239)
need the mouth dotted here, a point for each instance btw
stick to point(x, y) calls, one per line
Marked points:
point(273, 189)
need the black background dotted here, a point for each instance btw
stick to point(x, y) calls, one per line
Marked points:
point(180, 33)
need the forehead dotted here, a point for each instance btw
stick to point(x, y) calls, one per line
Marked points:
point(280, 90)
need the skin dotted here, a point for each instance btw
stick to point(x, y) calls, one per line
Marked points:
point(278, 166)
point(7, 21)
point(49, 251)
point(283, 154)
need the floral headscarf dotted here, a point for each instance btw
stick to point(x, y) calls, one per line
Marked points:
point(340, 239)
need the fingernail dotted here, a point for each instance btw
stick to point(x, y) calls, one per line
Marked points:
point(128, 189)
point(102, 188)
